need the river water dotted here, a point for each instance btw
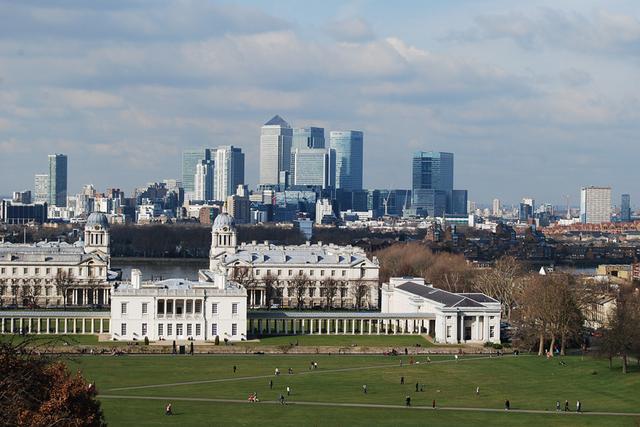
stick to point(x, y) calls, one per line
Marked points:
point(158, 269)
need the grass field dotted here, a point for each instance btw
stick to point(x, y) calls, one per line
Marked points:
point(204, 390)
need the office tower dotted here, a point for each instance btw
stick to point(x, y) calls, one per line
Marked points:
point(458, 202)
point(275, 150)
point(204, 180)
point(348, 147)
point(432, 182)
point(313, 166)
point(625, 208)
point(595, 205)
point(41, 190)
point(190, 159)
point(308, 137)
point(526, 209)
point(496, 209)
point(57, 180)
point(228, 170)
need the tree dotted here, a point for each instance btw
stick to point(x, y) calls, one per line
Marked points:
point(329, 288)
point(360, 291)
point(3, 289)
point(30, 294)
point(243, 275)
point(39, 391)
point(621, 337)
point(531, 315)
point(504, 282)
point(271, 289)
point(299, 285)
point(64, 282)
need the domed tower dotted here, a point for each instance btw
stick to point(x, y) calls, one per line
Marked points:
point(223, 238)
point(96, 234)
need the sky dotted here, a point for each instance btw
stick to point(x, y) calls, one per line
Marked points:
point(535, 99)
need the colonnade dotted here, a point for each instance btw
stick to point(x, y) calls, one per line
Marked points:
point(17, 324)
point(336, 325)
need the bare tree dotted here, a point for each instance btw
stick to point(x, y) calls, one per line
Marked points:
point(3, 289)
point(64, 282)
point(621, 336)
point(15, 291)
point(504, 281)
point(30, 294)
point(329, 288)
point(271, 289)
point(299, 285)
point(244, 276)
point(360, 291)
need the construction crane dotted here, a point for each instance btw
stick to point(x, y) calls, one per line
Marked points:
point(385, 203)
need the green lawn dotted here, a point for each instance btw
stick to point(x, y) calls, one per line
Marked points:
point(528, 382)
point(343, 340)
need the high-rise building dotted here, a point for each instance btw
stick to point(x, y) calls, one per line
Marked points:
point(595, 205)
point(57, 180)
point(496, 208)
point(204, 180)
point(228, 170)
point(190, 159)
point(527, 209)
point(41, 188)
point(458, 202)
point(275, 150)
point(625, 208)
point(308, 137)
point(313, 166)
point(432, 182)
point(348, 147)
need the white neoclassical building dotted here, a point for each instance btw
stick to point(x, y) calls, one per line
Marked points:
point(260, 265)
point(178, 309)
point(46, 273)
point(455, 317)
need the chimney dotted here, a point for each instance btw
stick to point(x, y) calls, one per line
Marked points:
point(135, 278)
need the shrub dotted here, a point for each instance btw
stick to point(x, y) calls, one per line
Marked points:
point(146, 340)
point(217, 340)
point(488, 344)
point(497, 346)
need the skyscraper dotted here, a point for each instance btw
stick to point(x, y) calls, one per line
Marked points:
point(275, 150)
point(190, 159)
point(204, 180)
point(432, 183)
point(228, 171)
point(308, 137)
point(57, 180)
point(41, 190)
point(625, 208)
point(595, 205)
point(313, 166)
point(348, 147)
point(496, 208)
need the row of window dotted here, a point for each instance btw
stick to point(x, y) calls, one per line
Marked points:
point(301, 272)
point(50, 271)
point(179, 329)
point(191, 307)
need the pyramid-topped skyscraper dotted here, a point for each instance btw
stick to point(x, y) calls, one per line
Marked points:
point(275, 151)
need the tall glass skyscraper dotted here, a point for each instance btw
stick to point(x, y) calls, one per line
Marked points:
point(190, 159)
point(313, 166)
point(348, 147)
point(625, 208)
point(228, 171)
point(57, 180)
point(308, 137)
point(275, 150)
point(204, 180)
point(432, 183)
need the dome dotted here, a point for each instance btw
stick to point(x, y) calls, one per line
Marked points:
point(223, 220)
point(97, 218)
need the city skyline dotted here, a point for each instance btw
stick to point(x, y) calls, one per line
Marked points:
point(525, 107)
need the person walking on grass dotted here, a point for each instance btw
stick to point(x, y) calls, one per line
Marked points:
point(433, 404)
point(281, 399)
point(557, 406)
point(407, 401)
point(168, 410)
point(507, 405)
point(578, 406)
point(566, 406)
point(478, 391)
point(364, 388)
point(277, 372)
point(417, 387)
point(288, 391)
point(401, 380)
point(234, 368)
point(270, 384)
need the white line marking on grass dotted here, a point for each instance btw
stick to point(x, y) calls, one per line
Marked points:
point(369, 405)
point(357, 368)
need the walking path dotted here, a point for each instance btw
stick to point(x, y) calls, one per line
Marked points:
point(323, 371)
point(369, 405)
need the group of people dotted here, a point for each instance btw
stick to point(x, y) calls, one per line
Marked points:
point(253, 397)
point(566, 406)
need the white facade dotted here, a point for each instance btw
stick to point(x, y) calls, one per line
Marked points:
point(179, 310)
point(595, 205)
point(41, 188)
point(323, 208)
point(30, 274)
point(228, 171)
point(204, 181)
point(457, 318)
point(256, 264)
